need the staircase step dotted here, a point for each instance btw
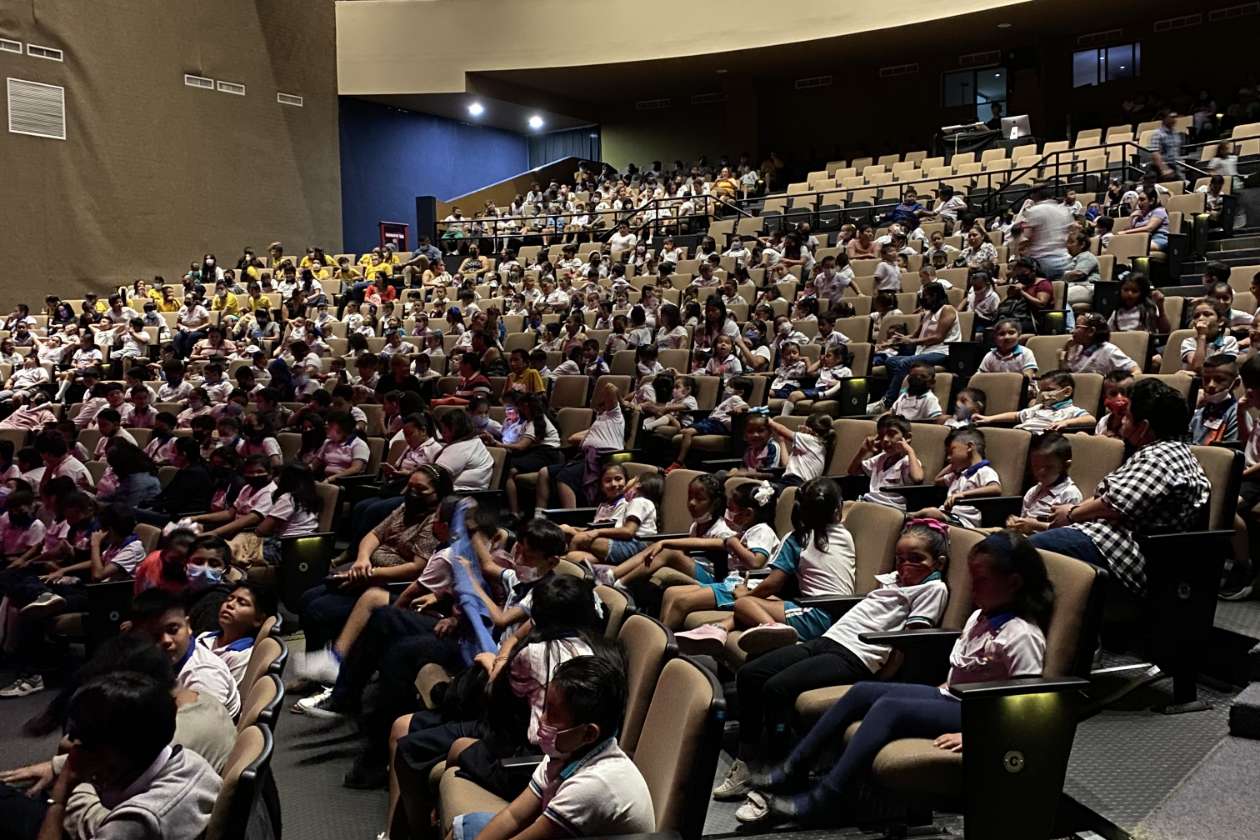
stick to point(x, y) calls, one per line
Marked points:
point(1244, 713)
point(1234, 243)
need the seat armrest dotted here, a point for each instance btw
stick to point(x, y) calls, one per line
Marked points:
point(925, 653)
point(521, 762)
point(570, 516)
point(1021, 685)
point(715, 464)
point(995, 509)
point(852, 487)
point(834, 605)
point(659, 537)
point(911, 638)
point(919, 496)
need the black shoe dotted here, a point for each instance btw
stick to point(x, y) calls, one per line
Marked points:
point(365, 776)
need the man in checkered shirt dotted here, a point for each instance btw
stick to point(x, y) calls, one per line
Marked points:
point(1160, 489)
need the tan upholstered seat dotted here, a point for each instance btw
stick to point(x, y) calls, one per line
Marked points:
point(243, 773)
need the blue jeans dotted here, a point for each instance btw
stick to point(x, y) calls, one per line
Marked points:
point(888, 711)
point(899, 366)
point(1053, 265)
point(1072, 542)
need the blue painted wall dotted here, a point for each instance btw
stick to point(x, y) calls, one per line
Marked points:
point(388, 157)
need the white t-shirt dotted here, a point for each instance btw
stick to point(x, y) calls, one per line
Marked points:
point(297, 521)
point(205, 673)
point(925, 407)
point(257, 501)
point(1038, 418)
point(607, 432)
point(887, 277)
point(603, 794)
point(235, 655)
point(1100, 358)
point(1020, 360)
point(125, 556)
point(978, 475)
point(15, 540)
point(985, 652)
point(339, 456)
point(640, 509)
point(887, 473)
point(808, 458)
point(886, 609)
point(828, 571)
point(1223, 345)
point(1039, 501)
point(1047, 225)
point(759, 539)
point(722, 411)
point(469, 463)
point(531, 672)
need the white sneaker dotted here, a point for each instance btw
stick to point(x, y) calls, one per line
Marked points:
point(735, 784)
point(766, 637)
point(754, 809)
point(705, 640)
point(47, 603)
point(23, 686)
point(318, 706)
point(323, 666)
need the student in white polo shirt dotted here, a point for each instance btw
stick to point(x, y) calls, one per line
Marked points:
point(1053, 411)
point(889, 459)
point(914, 595)
point(586, 786)
point(1049, 458)
point(917, 400)
point(250, 506)
point(1008, 355)
point(966, 475)
point(344, 453)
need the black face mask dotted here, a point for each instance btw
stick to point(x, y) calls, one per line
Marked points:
point(20, 520)
point(415, 503)
point(257, 481)
point(916, 387)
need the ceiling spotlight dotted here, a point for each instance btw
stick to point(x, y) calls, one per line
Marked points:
point(476, 109)
point(1005, 25)
point(535, 122)
point(720, 71)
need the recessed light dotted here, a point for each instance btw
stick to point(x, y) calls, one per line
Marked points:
point(476, 109)
point(535, 122)
point(1005, 25)
point(997, 75)
point(720, 71)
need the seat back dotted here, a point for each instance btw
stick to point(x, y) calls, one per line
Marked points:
point(1003, 391)
point(958, 577)
point(328, 494)
point(678, 745)
point(1134, 343)
point(1087, 391)
point(875, 529)
point(928, 440)
point(615, 605)
point(499, 456)
point(849, 436)
point(243, 775)
point(648, 645)
point(266, 652)
point(783, 511)
point(1093, 456)
point(1007, 451)
point(569, 391)
point(1045, 349)
point(674, 518)
point(572, 420)
point(1073, 620)
point(262, 705)
point(149, 536)
point(1223, 467)
point(1171, 362)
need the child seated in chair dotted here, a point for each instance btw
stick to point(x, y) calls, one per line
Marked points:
point(737, 392)
point(586, 786)
point(912, 596)
point(789, 372)
point(889, 459)
point(1116, 400)
point(1003, 639)
point(627, 515)
point(1091, 350)
point(966, 474)
point(818, 559)
point(917, 401)
point(1210, 319)
point(1216, 418)
point(832, 368)
point(667, 418)
point(1049, 459)
point(1053, 411)
point(241, 617)
point(968, 403)
point(808, 448)
point(761, 450)
point(1008, 355)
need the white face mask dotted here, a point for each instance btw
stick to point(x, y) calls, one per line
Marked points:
point(1218, 397)
point(527, 574)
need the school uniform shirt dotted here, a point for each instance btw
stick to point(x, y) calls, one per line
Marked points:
point(608, 432)
point(818, 572)
point(72, 468)
point(640, 509)
point(1223, 345)
point(996, 647)
point(126, 555)
point(1125, 319)
point(532, 669)
point(268, 446)
point(831, 380)
point(1100, 358)
point(808, 457)
point(15, 541)
point(174, 393)
point(730, 366)
point(1019, 360)
point(639, 337)
point(296, 521)
point(601, 794)
point(235, 655)
point(161, 451)
point(789, 376)
point(887, 278)
point(1215, 423)
point(761, 540)
point(133, 419)
point(723, 411)
point(910, 407)
point(184, 419)
point(977, 475)
point(257, 501)
point(102, 443)
point(87, 412)
point(1040, 501)
point(1038, 418)
point(203, 672)
point(24, 379)
point(674, 339)
point(339, 456)
point(715, 529)
point(986, 305)
point(469, 463)
point(762, 459)
point(884, 473)
point(890, 607)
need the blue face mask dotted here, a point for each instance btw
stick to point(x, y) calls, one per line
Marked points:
point(200, 577)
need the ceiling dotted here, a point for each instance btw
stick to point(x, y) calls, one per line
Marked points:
point(498, 113)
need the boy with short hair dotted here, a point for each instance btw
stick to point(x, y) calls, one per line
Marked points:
point(917, 401)
point(162, 617)
point(1216, 418)
point(1054, 410)
point(889, 459)
point(1049, 459)
point(1210, 321)
point(586, 786)
point(966, 474)
point(969, 403)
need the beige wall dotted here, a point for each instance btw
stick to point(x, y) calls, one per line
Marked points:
point(154, 174)
point(426, 46)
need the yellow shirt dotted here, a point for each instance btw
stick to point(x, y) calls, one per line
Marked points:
point(260, 302)
point(155, 295)
point(227, 304)
point(530, 382)
point(167, 306)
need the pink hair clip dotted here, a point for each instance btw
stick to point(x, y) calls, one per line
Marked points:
point(925, 522)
